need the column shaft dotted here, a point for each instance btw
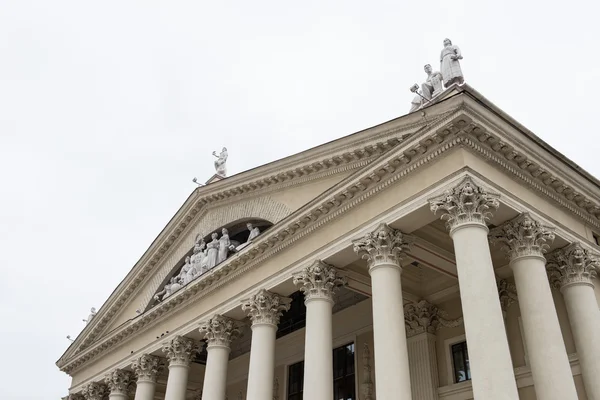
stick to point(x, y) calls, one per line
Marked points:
point(584, 317)
point(392, 374)
point(547, 354)
point(145, 390)
point(423, 366)
point(177, 382)
point(215, 375)
point(262, 362)
point(318, 351)
point(491, 366)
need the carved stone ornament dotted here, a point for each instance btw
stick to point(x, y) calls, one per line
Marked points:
point(118, 381)
point(275, 389)
point(198, 394)
point(319, 280)
point(147, 367)
point(523, 236)
point(507, 292)
point(383, 245)
point(367, 383)
point(180, 350)
point(74, 396)
point(266, 307)
point(94, 391)
point(424, 317)
point(572, 265)
point(465, 203)
point(220, 330)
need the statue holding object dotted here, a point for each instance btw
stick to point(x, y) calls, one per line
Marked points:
point(450, 65)
point(220, 162)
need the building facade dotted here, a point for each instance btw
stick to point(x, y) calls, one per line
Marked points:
point(447, 254)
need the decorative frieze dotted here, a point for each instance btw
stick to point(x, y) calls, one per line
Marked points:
point(220, 330)
point(180, 350)
point(507, 292)
point(95, 391)
point(266, 307)
point(523, 236)
point(147, 368)
point(384, 245)
point(465, 203)
point(572, 265)
point(118, 381)
point(424, 317)
point(319, 280)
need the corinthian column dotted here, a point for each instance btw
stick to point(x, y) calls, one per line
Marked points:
point(95, 391)
point(219, 332)
point(264, 309)
point(180, 351)
point(146, 369)
point(383, 249)
point(318, 282)
point(118, 382)
point(466, 209)
point(572, 269)
point(525, 240)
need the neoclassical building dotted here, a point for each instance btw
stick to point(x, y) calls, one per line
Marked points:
point(446, 254)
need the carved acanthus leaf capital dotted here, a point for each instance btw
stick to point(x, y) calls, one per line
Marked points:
point(180, 350)
point(523, 236)
point(94, 391)
point(118, 381)
point(507, 292)
point(265, 307)
point(319, 280)
point(424, 317)
point(74, 396)
point(572, 265)
point(465, 203)
point(383, 245)
point(220, 330)
point(147, 367)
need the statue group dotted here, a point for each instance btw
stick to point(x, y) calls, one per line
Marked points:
point(450, 73)
point(205, 256)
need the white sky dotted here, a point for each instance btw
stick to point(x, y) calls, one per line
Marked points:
point(108, 109)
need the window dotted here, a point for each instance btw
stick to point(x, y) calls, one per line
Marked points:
point(460, 362)
point(294, 318)
point(343, 376)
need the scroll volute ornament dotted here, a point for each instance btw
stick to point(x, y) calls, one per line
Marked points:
point(572, 265)
point(383, 245)
point(523, 236)
point(465, 203)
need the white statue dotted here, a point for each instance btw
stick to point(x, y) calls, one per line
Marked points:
point(171, 287)
point(199, 257)
point(254, 231)
point(224, 244)
point(187, 273)
point(450, 66)
point(220, 162)
point(433, 85)
point(91, 316)
point(212, 251)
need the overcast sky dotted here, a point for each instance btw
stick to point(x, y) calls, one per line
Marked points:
point(109, 108)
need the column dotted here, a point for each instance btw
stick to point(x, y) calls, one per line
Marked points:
point(180, 351)
point(264, 309)
point(421, 325)
point(525, 240)
point(572, 269)
point(383, 250)
point(219, 332)
point(95, 391)
point(466, 208)
point(318, 282)
point(118, 382)
point(146, 368)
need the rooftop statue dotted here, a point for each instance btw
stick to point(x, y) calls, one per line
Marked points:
point(220, 162)
point(450, 65)
point(433, 84)
point(91, 316)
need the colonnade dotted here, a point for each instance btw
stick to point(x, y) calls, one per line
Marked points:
point(465, 208)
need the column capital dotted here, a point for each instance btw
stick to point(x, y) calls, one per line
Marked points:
point(384, 245)
point(118, 381)
point(220, 330)
point(147, 368)
point(265, 307)
point(507, 292)
point(424, 317)
point(74, 396)
point(523, 236)
point(572, 265)
point(318, 281)
point(180, 351)
point(466, 203)
point(95, 391)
